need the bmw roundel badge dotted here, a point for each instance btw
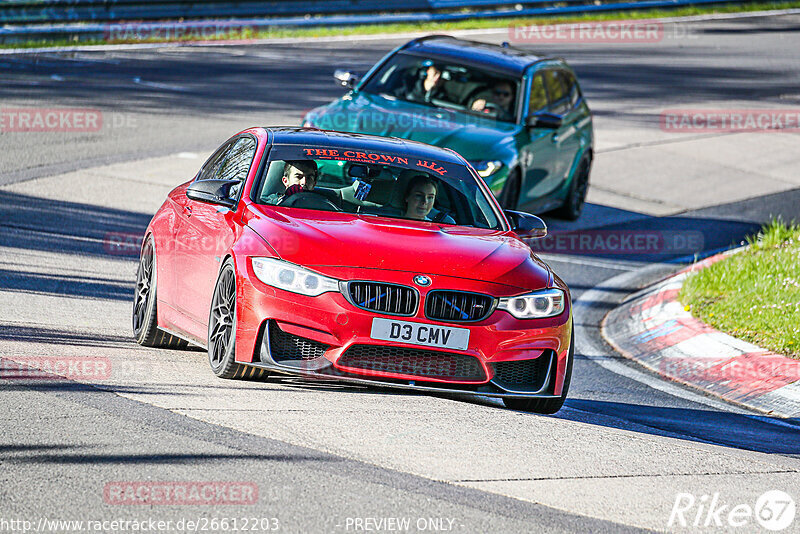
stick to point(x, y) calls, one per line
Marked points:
point(422, 280)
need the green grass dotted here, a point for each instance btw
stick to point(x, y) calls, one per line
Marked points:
point(433, 27)
point(754, 295)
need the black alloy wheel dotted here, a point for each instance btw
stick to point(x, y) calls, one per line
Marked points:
point(144, 316)
point(222, 329)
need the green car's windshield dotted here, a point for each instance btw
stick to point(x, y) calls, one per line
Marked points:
point(441, 83)
point(375, 184)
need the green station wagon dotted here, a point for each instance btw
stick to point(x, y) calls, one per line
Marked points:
point(519, 119)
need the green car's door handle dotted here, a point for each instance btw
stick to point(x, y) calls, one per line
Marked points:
point(565, 134)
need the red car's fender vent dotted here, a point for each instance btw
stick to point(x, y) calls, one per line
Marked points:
point(525, 375)
point(284, 346)
point(376, 359)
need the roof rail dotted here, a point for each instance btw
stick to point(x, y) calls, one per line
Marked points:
point(426, 38)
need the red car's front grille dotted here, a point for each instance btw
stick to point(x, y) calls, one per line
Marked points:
point(383, 298)
point(457, 306)
point(413, 362)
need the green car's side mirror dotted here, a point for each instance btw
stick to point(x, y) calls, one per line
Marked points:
point(543, 120)
point(345, 78)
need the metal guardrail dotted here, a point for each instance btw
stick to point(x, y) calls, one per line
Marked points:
point(104, 19)
point(60, 11)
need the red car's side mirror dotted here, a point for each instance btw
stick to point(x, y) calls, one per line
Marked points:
point(525, 225)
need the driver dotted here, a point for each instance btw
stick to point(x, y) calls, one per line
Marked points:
point(501, 99)
point(298, 175)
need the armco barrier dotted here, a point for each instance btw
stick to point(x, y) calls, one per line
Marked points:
point(90, 19)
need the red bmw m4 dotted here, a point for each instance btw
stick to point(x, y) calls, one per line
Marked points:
point(358, 258)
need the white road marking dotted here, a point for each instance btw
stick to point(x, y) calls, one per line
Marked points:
point(157, 85)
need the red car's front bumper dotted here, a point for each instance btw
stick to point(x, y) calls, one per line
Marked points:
point(328, 337)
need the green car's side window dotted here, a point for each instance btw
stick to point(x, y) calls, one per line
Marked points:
point(572, 88)
point(559, 99)
point(538, 99)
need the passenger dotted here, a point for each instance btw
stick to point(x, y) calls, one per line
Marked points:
point(420, 195)
point(500, 101)
point(430, 87)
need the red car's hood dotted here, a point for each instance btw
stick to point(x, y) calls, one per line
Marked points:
point(327, 239)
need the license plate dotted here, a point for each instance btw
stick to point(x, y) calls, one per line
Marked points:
point(424, 335)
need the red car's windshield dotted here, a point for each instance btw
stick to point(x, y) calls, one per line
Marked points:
point(377, 184)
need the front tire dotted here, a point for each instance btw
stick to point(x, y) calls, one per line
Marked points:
point(145, 316)
point(576, 199)
point(222, 329)
point(547, 406)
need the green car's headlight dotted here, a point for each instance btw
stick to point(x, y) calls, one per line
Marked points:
point(536, 305)
point(291, 277)
point(486, 168)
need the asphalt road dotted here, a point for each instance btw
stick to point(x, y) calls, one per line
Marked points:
point(324, 457)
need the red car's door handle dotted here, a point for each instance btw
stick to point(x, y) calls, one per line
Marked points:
point(187, 210)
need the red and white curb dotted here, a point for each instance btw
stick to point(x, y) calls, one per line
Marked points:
point(653, 328)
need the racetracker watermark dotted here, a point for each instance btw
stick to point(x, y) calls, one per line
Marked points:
point(434, 120)
point(616, 242)
point(180, 493)
point(63, 120)
point(729, 120)
point(58, 367)
point(143, 524)
point(122, 243)
point(751, 368)
point(50, 120)
point(774, 510)
point(178, 31)
point(612, 31)
point(130, 243)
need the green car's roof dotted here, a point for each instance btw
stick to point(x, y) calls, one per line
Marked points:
point(504, 59)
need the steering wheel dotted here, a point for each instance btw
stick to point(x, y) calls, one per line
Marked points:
point(309, 200)
point(491, 108)
point(479, 92)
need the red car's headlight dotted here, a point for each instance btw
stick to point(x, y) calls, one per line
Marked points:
point(536, 305)
point(290, 277)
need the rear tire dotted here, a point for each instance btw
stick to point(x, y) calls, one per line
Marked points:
point(576, 199)
point(145, 315)
point(547, 406)
point(222, 330)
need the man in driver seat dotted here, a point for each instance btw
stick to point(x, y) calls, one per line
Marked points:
point(298, 175)
point(499, 102)
point(302, 173)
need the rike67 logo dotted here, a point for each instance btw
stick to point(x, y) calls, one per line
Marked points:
point(774, 510)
